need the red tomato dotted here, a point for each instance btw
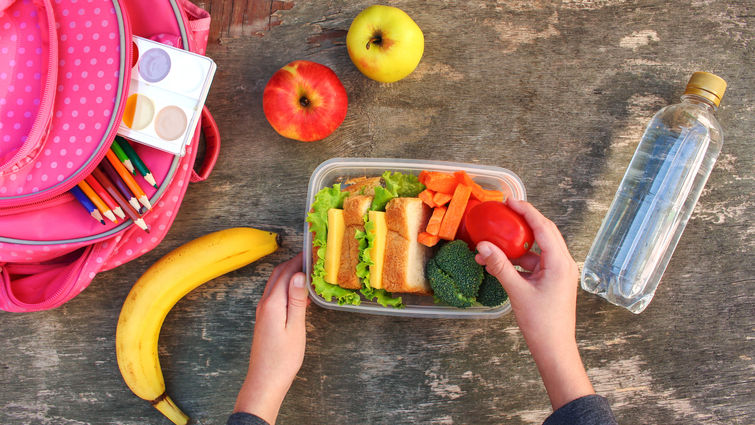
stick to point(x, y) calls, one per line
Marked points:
point(497, 223)
point(462, 233)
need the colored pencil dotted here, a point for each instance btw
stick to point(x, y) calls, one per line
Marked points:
point(136, 160)
point(105, 196)
point(87, 203)
point(116, 194)
point(119, 183)
point(97, 201)
point(128, 179)
point(122, 156)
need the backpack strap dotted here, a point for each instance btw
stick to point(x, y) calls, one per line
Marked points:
point(212, 147)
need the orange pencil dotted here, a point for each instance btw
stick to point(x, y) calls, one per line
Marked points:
point(97, 187)
point(97, 201)
point(113, 191)
point(128, 179)
point(107, 168)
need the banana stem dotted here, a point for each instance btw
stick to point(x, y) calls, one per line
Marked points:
point(167, 407)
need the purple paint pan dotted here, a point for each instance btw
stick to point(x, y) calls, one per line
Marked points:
point(154, 65)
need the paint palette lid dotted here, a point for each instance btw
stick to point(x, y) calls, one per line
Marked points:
point(167, 91)
point(62, 74)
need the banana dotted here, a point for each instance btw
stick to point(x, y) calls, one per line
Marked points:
point(160, 288)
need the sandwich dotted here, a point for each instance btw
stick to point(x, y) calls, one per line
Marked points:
point(351, 219)
point(404, 258)
point(377, 249)
point(365, 239)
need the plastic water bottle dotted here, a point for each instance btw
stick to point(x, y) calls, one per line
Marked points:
point(656, 197)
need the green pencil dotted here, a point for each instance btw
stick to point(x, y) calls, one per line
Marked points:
point(138, 163)
point(122, 156)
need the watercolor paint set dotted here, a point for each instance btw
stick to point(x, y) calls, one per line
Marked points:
point(167, 91)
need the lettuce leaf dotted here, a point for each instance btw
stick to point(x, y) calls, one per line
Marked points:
point(396, 185)
point(365, 239)
point(381, 198)
point(403, 185)
point(325, 199)
point(382, 297)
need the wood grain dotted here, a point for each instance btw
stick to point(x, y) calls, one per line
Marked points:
point(557, 92)
point(239, 18)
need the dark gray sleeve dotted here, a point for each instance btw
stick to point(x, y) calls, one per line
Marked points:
point(241, 418)
point(588, 410)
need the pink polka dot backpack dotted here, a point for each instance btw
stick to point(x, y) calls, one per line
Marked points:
point(65, 68)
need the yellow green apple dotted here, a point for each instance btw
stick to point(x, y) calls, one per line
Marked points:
point(384, 43)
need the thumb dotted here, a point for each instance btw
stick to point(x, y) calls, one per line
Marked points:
point(497, 264)
point(297, 300)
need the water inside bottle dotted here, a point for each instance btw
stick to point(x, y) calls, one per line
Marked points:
point(646, 217)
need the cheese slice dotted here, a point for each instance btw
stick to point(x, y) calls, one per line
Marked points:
point(336, 228)
point(378, 248)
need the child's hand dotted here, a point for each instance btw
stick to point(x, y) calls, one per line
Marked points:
point(544, 303)
point(278, 342)
point(543, 299)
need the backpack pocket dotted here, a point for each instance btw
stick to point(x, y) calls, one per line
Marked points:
point(66, 97)
point(41, 285)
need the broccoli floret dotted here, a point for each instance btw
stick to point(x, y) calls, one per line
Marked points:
point(454, 275)
point(445, 288)
point(491, 293)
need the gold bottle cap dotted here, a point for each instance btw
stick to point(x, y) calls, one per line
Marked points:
point(707, 85)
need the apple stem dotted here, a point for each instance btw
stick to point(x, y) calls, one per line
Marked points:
point(304, 101)
point(377, 39)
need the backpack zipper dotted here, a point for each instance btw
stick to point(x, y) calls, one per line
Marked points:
point(41, 124)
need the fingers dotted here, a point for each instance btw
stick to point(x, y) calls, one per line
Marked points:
point(547, 235)
point(279, 290)
point(272, 279)
point(498, 265)
point(554, 252)
point(282, 273)
point(297, 300)
point(528, 261)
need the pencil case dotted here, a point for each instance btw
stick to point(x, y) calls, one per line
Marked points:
point(65, 66)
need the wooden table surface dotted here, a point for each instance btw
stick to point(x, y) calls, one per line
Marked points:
point(558, 92)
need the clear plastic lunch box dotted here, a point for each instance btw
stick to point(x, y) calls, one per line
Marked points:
point(338, 170)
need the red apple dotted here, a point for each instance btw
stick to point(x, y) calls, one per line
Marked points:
point(304, 101)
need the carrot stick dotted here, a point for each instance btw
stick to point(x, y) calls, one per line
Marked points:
point(463, 178)
point(427, 239)
point(441, 198)
point(455, 212)
point(422, 176)
point(492, 195)
point(477, 191)
point(427, 197)
point(433, 225)
point(440, 182)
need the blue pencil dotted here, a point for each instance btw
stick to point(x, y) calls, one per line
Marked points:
point(87, 203)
